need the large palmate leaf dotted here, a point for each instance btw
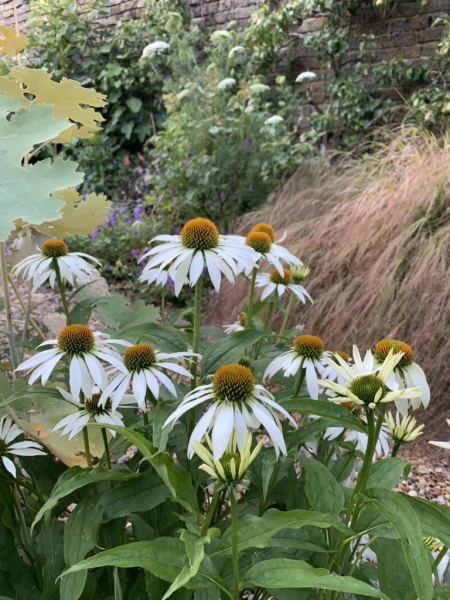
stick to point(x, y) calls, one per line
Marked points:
point(25, 190)
point(80, 216)
point(10, 42)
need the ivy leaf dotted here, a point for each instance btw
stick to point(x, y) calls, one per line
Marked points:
point(25, 191)
point(78, 216)
point(10, 42)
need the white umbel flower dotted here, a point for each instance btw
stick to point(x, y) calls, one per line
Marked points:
point(88, 410)
point(445, 445)
point(143, 368)
point(407, 373)
point(306, 353)
point(236, 50)
point(261, 240)
point(274, 282)
point(237, 404)
point(274, 120)
point(305, 76)
point(226, 83)
point(38, 268)
point(200, 245)
point(9, 431)
point(362, 385)
point(158, 47)
point(84, 350)
point(239, 325)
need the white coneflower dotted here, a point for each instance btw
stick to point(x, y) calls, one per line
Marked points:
point(275, 282)
point(84, 349)
point(143, 368)
point(329, 372)
point(88, 410)
point(305, 76)
point(237, 404)
point(226, 83)
point(198, 245)
point(406, 373)
point(360, 439)
point(307, 353)
point(404, 430)
point(38, 268)
point(266, 249)
point(239, 325)
point(230, 469)
point(445, 445)
point(158, 47)
point(366, 389)
point(9, 431)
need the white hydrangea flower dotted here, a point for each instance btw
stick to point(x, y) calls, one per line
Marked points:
point(158, 47)
point(305, 76)
point(274, 120)
point(226, 83)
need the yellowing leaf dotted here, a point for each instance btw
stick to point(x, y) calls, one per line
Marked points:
point(78, 216)
point(12, 89)
point(25, 190)
point(70, 99)
point(10, 43)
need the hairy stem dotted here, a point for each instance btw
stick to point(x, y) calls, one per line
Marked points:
point(266, 323)
point(251, 290)
point(211, 510)
point(300, 380)
point(396, 448)
point(62, 291)
point(234, 544)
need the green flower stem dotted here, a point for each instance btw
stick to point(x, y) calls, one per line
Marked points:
point(234, 544)
point(6, 300)
point(196, 335)
point(251, 291)
point(145, 417)
point(300, 380)
point(21, 519)
point(105, 443)
point(62, 291)
point(211, 510)
point(396, 448)
point(87, 450)
point(266, 323)
point(163, 305)
point(286, 316)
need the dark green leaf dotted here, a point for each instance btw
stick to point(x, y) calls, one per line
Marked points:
point(434, 518)
point(287, 573)
point(402, 517)
point(164, 338)
point(134, 104)
point(228, 350)
point(394, 577)
point(441, 593)
point(322, 490)
point(386, 473)
point(50, 558)
point(292, 594)
point(339, 415)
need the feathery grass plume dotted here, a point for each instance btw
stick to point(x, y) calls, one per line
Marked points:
point(377, 233)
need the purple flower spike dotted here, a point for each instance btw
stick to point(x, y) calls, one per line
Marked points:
point(247, 142)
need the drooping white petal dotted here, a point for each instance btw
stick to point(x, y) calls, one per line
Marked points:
point(9, 465)
point(222, 430)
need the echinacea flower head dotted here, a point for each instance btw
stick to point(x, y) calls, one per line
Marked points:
point(275, 282)
point(332, 374)
point(143, 368)
point(263, 245)
point(404, 430)
point(265, 228)
point(299, 274)
point(89, 410)
point(38, 268)
point(362, 387)
point(445, 445)
point(84, 349)
point(307, 352)
point(239, 325)
point(9, 431)
point(230, 469)
point(406, 373)
point(237, 404)
point(360, 439)
point(200, 245)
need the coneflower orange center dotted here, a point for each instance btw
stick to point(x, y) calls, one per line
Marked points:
point(91, 405)
point(275, 277)
point(231, 462)
point(233, 383)
point(76, 339)
point(309, 346)
point(54, 248)
point(200, 234)
point(383, 348)
point(259, 241)
point(3, 446)
point(340, 353)
point(265, 228)
point(366, 388)
point(242, 320)
point(139, 357)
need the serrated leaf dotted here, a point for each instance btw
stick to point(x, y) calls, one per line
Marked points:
point(228, 350)
point(287, 573)
point(322, 490)
point(69, 99)
point(25, 191)
point(10, 42)
point(79, 216)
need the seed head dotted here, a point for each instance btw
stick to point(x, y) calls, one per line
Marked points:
point(299, 274)
point(76, 339)
point(275, 277)
point(309, 346)
point(383, 347)
point(265, 228)
point(230, 463)
point(54, 248)
point(200, 234)
point(259, 241)
point(139, 357)
point(367, 388)
point(233, 383)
